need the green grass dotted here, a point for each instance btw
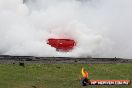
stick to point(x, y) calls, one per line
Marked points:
point(60, 75)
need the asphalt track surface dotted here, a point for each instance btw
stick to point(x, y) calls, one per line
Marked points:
point(6, 59)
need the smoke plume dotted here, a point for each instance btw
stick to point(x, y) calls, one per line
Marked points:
point(101, 28)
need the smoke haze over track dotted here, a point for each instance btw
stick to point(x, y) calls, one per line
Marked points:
point(101, 28)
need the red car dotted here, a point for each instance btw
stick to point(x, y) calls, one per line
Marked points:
point(62, 44)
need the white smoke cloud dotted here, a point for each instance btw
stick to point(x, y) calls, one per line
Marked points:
point(101, 28)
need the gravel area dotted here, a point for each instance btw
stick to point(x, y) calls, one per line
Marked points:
point(5, 59)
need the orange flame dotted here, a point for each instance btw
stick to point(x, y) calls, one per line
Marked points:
point(84, 73)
